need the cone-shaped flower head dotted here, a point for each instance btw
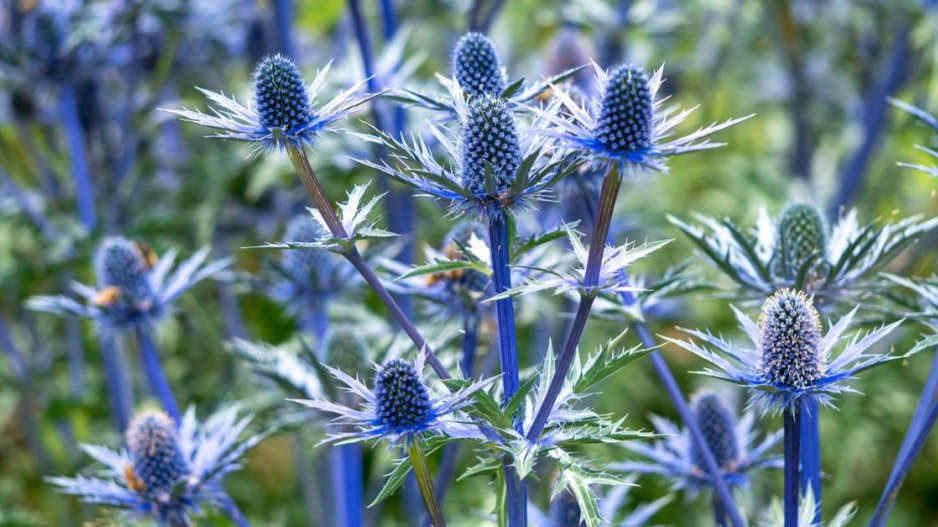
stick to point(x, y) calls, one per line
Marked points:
point(158, 461)
point(402, 400)
point(489, 142)
point(280, 94)
point(346, 351)
point(472, 280)
point(717, 423)
point(564, 510)
point(477, 67)
point(306, 266)
point(626, 118)
point(790, 337)
point(120, 263)
point(801, 233)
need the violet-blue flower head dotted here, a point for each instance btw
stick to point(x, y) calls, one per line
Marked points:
point(790, 336)
point(158, 462)
point(477, 67)
point(717, 423)
point(489, 142)
point(626, 117)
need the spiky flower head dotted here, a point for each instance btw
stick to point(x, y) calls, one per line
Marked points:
point(402, 400)
point(801, 234)
point(346, 351)
point(489, 142)
point(564, 510)
point(717, 423)
point(306, 266)
point(122, 264)
point(626, 118)
point(790, 336)
point(158, 461)
point(477, 67)
point(280, 94)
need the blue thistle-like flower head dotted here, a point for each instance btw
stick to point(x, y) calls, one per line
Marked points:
point(158, 462)
point(717, 423)
point(121, 264)
point(346, 351)
point(477, 67)
point(402, 400)
point(801, 234)
point(280, 94)
point(790, 338)
point(489, 142)
point(626, 118)
point(564, 510)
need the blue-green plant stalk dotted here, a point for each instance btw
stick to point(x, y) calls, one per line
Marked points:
point(156, 377)
point(811, 452)
point(425, 482)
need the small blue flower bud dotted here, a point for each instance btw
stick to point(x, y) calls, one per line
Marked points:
point(718, 426)
point(158, 461)
point(280, 94)
point(801, 233)
point(310, 268)
point(476, 66)
point(626, 118)
point(565, 510)
point(402, 400)
point(489, 138)
point(346, 351)
point(789, 336)
point(470, 279)
point(119, 263)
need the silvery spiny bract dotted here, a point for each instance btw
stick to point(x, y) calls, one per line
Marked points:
point(135, 287)
point(929, 120)
point(790, 357)
point(733, 443)
point(283, 114)
point(167, 473)
point(799, 250)
point(774, 516)
point(613, 506)
point(624, 125)
point(402, 407)
point(477, 66)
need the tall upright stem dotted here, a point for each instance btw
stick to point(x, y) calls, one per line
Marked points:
point(84, 191)
point(155, 375)
point(811, 452)
point(425, 482)
point(283, 18)
point(116, 376)
point(792, 454)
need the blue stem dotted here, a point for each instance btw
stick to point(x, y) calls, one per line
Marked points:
point(352, 484)
point(811, 451)
point(922, 423)
point(719, 512)
point(234, 513)
point(338, 485)
point(283, 17)
point(315, 321)
point(792, 451)
point(155, 374)
point(68, 106)
point(117, 378)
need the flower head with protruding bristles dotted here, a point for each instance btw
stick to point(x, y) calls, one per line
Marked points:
point(791, 358)
point(158, 463)
point(489, 146)
point(624, 126)
point(801, 237)
point(283, 114)
point(718, 426)
point(135, 287)
point(477, 67)
point(167, 473)
point(732, 443)
point(401, 407)
point(789, 337)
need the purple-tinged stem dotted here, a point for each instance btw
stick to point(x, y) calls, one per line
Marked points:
point(68, 107)
point(792, 453)
point(811, 452)
point(155, 374)
point(283, 18)
point(922, 423)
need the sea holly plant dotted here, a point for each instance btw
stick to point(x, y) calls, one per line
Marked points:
point(732, 441)
point(136, 289)
point(798, 249)
point(791, 361)
point(169, 471)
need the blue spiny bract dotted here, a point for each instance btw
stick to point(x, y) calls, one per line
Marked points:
point(718, 426)
point(345, 350)
point(626, 118)
point(158, 462)
point(801, 234)
point(790, 334)
point(120, 266)
point(476, 66)
point(308, 268)
point(280, 94)
point(564, 510)
point(402, 400)
point(489, 141)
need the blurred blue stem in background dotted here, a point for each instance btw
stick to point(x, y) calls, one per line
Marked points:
point(283, 21)
point(922, 423)
point(68, 107)
point(482, 14)
point(799, 98)
point(156, 377)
